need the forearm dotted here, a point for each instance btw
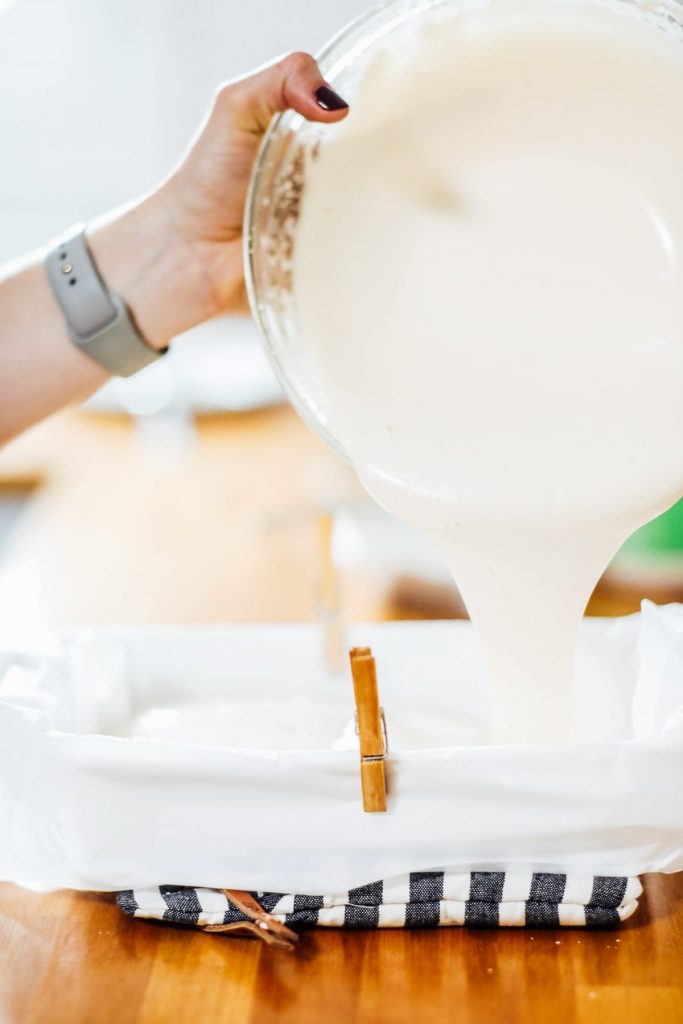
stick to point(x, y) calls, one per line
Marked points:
point(175, 258)
point(40, 369)
point(161, 280)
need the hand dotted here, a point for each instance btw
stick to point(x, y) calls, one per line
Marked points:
point(176, 257)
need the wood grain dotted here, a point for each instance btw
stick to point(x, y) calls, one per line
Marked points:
point(226, 530)
point(75, 957)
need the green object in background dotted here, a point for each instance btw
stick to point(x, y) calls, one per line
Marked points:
point(651, 560)
point(663, 535)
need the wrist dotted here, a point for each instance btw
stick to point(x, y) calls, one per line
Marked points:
point(159, 276)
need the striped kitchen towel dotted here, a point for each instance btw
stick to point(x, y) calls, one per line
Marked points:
point(422, 899)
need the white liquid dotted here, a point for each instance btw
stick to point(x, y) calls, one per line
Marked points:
point(488, 276)
point(289, 723)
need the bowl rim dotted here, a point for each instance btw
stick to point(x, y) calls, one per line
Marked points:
point(410, 8)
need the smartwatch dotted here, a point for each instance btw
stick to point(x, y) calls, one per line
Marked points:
point(98, 320)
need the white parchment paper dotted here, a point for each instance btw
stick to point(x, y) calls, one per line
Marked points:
point(84, 807)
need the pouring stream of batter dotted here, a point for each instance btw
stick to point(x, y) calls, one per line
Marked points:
point(488, 281)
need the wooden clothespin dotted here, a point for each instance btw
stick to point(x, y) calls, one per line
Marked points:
point(371, 729)
point(259, 923)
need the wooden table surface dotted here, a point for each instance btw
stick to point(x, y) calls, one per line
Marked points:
point(221, 527)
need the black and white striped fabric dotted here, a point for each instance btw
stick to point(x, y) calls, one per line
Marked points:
point(422, 899)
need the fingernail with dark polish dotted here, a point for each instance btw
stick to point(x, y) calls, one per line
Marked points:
point(328, 99)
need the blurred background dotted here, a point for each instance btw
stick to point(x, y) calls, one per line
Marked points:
point(192, 492)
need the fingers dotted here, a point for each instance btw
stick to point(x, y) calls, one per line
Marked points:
point(295, 82)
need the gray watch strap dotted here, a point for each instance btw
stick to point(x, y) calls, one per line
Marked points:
point(98, 320)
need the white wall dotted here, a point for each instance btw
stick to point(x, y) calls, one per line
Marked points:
point(99, 97)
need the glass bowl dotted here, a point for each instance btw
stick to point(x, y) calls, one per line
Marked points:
point(278, 179)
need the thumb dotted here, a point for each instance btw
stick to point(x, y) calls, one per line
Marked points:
point(295, 82)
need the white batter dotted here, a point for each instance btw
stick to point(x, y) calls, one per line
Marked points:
point(488, 277)
point(292, 722)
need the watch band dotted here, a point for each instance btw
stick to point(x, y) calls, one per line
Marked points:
point(98, 321)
